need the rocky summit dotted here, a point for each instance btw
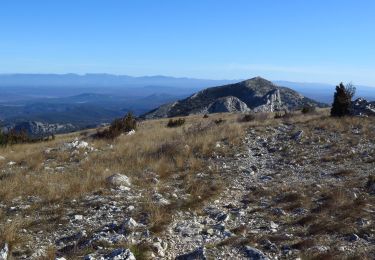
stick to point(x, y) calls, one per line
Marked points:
point(256, 94)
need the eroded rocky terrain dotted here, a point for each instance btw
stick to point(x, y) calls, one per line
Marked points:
point(292, 188)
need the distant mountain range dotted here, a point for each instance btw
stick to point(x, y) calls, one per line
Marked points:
point(256, 94)
point(102, 80)
point(324, 92)
point(81, 101)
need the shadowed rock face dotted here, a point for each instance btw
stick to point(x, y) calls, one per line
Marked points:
point(258, 94)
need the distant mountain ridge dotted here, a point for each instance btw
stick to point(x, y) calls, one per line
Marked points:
point(102, 80)
point(323, 92)
point(67, 102)
point(256, 94)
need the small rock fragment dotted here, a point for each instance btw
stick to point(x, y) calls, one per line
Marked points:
point(118, 180)
point(120, 254)
point(198, 254)
point(297, 136)
point(353, 238)
point(255, 254)
point(4, 252)
point(78, 217)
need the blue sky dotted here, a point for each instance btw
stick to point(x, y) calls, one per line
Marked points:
point(297, 40)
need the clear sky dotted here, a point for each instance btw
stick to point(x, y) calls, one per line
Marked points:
point(298, 40)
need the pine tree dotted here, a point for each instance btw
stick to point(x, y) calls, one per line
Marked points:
point(342, 100)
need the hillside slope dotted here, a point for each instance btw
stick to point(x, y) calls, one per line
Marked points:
point(272, 188)
point(258, 94)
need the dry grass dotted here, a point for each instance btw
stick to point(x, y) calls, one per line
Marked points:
point(176, 156)
point(154, 147)
point(9, 233)
point(173, 154)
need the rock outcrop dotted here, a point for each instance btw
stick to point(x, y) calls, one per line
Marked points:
point(39, 129)
point(228, 104)
point(362, 107)
point(256, 94)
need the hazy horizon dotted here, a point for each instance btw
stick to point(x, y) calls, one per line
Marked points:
point(319, 41)
point(183, 77)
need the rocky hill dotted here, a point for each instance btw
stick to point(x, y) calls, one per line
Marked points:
point(256, 94)
point(39, 129)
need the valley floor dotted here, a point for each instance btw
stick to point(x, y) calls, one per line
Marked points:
point(215, 188)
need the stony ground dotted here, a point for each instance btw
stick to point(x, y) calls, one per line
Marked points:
point(289, 191)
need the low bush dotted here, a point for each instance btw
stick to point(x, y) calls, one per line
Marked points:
point(370, 181)
point(247, 118)
point(219, 121)
point(308, 109)
point(205, 116)
point(19, 137)
point(176, 122)
point(286, 114)
point(118, 127)
point(342, 100)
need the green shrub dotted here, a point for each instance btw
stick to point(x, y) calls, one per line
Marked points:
point(176, 123)
point(219, 121)
point(247, 118)
point(15, 137)
point(342, 100)
point(117, 127)
point(286, 114)
point(308, 109)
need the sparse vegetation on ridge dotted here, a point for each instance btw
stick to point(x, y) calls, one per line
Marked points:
point(118, 127)
point(181, 171)
point(176, 122)
point(342, 100)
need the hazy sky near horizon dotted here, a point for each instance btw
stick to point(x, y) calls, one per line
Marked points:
point(311, 41)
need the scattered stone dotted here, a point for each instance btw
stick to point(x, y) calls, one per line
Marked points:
point(318, 249)
point(117, 180)
point(273, 225)
point(278, 211)
point(120, 254)
point(298, 135)
point(11, 163)
point(353, 238)
point(270, 246)
point(131, 132)
point(78, 217)
point(198, 254)
point(76, 144)
point(4, 252)
point(266, 178)
point(254, 254)
point(130, 223)
point(157, 197)
point(159, 247)
point(222, 217)
point(254, 168)
point(2, 158)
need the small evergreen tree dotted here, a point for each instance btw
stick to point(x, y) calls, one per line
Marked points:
point(118, 127)
point(342, 100)
point(2, 138)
